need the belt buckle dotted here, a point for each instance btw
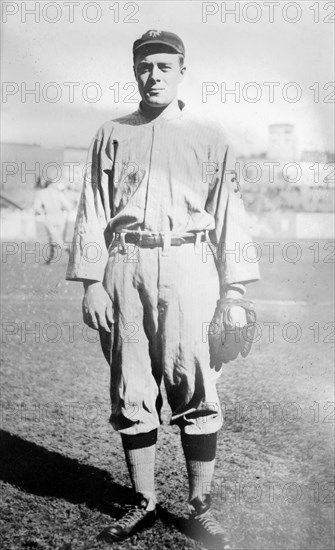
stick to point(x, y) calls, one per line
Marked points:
point(166, 242)
point(178, 241)
point(148, 241)
point(151, 242)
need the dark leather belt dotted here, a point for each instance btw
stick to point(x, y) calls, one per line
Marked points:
point(152, 241)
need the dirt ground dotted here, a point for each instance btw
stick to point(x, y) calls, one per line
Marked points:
point(62, 470)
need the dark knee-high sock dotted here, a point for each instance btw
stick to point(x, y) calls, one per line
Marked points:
point(199, 451)
point(140, 457)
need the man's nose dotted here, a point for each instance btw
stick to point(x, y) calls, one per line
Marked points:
point(155, 74)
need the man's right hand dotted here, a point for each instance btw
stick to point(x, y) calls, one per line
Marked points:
point(98, 311)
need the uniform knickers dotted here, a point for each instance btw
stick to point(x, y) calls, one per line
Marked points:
point(163, 304)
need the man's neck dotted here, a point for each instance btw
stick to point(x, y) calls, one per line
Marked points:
point(151, 113)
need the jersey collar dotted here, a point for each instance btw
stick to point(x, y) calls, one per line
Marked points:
point(173, 110)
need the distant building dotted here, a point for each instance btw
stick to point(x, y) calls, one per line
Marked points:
point(23, 163)
point(75, 154)
point(259, 172)
point(314, 156)
point(282, 143)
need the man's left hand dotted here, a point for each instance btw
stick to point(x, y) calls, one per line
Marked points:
point(231, 330)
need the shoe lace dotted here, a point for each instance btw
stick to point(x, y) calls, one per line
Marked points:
point(134, 513)
point(209, 523)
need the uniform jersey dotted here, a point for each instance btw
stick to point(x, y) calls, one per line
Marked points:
point(175, 173)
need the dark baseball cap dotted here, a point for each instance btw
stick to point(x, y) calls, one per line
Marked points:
point(160, 37)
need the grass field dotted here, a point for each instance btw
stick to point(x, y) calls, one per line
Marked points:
point(62, 469)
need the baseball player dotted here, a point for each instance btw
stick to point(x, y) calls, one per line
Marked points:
point(162, 207)
point(51, 203)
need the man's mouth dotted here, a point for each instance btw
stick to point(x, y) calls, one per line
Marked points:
point(154, 90)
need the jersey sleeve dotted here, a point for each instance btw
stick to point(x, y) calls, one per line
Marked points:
point(237, 259)
point(88, 255)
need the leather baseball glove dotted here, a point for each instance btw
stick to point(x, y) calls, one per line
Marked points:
point(226, 337)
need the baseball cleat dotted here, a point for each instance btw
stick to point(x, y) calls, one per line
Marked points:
point(204, 527)
point(136, 519)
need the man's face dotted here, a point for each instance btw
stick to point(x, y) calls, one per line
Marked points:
point(158, 76)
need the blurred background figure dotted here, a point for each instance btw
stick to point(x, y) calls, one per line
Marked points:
point(51, 203)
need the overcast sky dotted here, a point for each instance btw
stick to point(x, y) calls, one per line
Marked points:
point(217, 52)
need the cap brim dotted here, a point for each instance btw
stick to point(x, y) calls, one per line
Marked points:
point(158, 42)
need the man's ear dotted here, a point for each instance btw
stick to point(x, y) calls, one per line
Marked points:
point(134, 70)
point(182, 73)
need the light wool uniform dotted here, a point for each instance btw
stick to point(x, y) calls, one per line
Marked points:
point(159, 190)
point(152, 176)
point(53, 205)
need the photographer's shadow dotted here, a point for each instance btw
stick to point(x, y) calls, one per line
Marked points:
point(36, 470)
